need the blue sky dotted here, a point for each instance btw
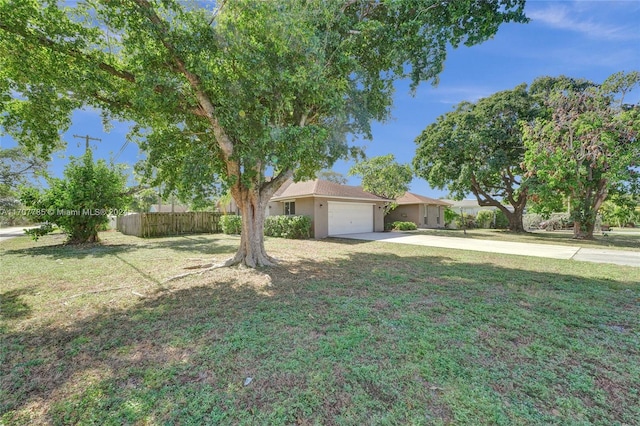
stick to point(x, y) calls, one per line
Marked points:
point(582, 39)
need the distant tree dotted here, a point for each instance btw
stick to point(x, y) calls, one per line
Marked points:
point(384, 177)
point(588, 146)
point(80, 203)
point(17, 168)
point(142, 199)
point(228, 91)
point(478, 148)
point(332, 176)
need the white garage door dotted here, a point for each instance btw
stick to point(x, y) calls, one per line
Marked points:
point(350, 218)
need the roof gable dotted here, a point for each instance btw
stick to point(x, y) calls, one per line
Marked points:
point(411, 198)
point(322, 188)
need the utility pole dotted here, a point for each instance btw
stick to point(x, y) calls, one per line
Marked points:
point(87, 138)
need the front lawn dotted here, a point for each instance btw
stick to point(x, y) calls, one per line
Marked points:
point(342, 332)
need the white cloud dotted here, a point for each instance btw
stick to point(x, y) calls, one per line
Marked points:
point(570, 17)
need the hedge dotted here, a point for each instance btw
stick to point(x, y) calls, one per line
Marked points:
point(231, 224)
point(292, 227)
point(404, 226)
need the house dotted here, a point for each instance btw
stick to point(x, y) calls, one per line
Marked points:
point(168, 208)
point(471, 207)
point(230, 207)
point(334, 209)
point(425, 212)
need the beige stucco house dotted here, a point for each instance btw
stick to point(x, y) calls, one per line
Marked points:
point(425, 212)
point(334, 209)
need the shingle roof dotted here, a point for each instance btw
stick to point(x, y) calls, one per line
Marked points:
point(322, 188)
point(411, 198)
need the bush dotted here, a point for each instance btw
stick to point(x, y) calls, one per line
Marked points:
point(484, 219)
point(404, 226)
point(501, 221)
point(449, 216)
point(466, 221)
point(292, 227)
point(81, 202)
point(231, 224)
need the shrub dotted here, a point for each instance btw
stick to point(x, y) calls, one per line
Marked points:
point(484, 219)
point(404, 226)
point(466, 221)
point(81, 202)
point(501, 221)
point(231, 224)
point(293, 227)
point(449, 216)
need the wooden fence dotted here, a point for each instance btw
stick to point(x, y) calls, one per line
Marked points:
point(165, 224)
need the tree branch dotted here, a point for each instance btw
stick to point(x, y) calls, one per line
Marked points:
point(208, 108)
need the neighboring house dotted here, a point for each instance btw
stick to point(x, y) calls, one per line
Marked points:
point(168, 208)
point(471, 207)
point(425, 212)
point(230, 208)
point(334, 209)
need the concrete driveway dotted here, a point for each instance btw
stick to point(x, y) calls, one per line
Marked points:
point(619, 257)
point(12, 232)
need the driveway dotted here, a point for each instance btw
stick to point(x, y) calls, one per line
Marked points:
point(619, 257)
point(11, 232)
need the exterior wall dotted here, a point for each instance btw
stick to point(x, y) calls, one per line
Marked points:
point(317, 208)
point(434, 215)
point(304, 207)
point(405, 213)
point(416, 213)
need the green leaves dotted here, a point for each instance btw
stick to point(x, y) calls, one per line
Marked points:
point(81, 202)
point(587, 146)
point(261, 87)
point(384, 177)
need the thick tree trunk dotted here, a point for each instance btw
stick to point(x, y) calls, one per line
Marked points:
point(514, 218)
point(251, 252)
point(253, 202)
point(518, 203)
point(583, 230)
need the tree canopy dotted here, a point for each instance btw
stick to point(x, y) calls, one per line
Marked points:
point(81, 202)
point(588, 146)
point(229, 91)
point(478, 148)
point(384, 177)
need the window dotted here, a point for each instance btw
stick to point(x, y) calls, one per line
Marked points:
point(289, 208)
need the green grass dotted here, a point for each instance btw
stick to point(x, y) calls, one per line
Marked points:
point(341, 332)
point(618, 238)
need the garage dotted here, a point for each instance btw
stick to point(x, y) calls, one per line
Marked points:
point(350, 218)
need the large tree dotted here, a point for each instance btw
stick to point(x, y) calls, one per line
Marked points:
point(588, 145)
point(384, 177)
point(478, 148)
point(232, 90)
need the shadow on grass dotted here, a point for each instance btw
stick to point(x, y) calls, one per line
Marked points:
point(12, 306)
point(204, 245)
point(61, 251)
point(409, 339)
point(190, 243)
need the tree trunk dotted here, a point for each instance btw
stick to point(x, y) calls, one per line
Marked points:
point(252, 202)
point(251, 252)
point(583, 230)
point(514, 218)
point(517, 202)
